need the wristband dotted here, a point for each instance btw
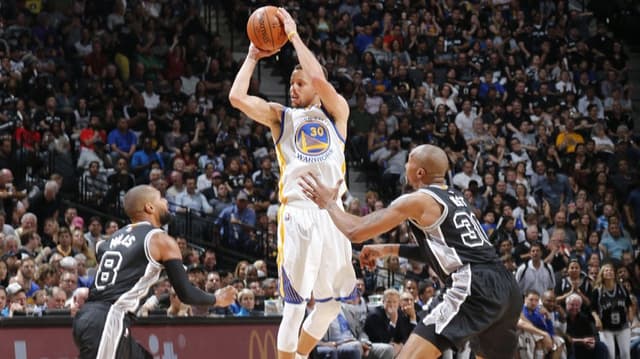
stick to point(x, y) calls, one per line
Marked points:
point(291, 34)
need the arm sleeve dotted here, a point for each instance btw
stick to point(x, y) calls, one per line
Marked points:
point(187, 293)
point(411, 251)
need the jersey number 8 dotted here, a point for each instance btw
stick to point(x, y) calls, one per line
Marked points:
point(108, 269)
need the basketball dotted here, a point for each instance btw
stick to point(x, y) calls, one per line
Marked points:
point(265, 30)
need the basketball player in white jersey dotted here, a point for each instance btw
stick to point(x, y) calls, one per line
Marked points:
point(313, 255)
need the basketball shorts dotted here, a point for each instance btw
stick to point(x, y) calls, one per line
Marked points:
point(88, 327)
point(481, 306)
point(313, 257)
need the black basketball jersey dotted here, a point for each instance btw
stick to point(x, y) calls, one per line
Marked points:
point(611, 306)
point(456, 238)
point(126, 270)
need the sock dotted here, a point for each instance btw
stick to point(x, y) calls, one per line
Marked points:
point(300, 356)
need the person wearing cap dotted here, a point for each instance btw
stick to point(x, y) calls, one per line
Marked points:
point(16, 300)
point(236, 222)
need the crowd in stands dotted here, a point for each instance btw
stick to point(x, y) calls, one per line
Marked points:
point(530, 99)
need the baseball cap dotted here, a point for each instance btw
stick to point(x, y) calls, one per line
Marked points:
point(216, 174)
point(242, 196)
point(13, 289)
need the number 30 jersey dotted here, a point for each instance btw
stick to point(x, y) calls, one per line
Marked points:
point(126, 270)
point(456, 238)
point(309, 142)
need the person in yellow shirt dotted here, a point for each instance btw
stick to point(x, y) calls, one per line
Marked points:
point(567, 140)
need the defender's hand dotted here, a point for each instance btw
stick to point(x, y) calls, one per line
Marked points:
point(225, 296)
point(317, 191)
point(368, 257)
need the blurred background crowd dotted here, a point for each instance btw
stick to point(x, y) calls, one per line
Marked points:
point(532, 100)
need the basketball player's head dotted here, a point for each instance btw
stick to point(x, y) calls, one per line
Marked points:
point(302, 93)
point(145, 203)
point(427, 164)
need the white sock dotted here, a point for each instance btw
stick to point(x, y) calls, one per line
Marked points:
point(300, 356)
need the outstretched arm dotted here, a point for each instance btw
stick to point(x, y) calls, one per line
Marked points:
point(266, 113)
point(358, 229)
point(331, 99)
point(164, 249)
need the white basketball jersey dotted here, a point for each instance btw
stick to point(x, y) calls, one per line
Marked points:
point(309, 142)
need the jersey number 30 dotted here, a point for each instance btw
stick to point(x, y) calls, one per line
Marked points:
point(471, 231)
point(108, 269)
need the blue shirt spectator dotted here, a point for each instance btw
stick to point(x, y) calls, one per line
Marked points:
point(615, 240)
point(237, 222)
point(122, 141)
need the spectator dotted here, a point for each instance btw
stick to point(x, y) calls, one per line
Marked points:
point(575, 282)
point(582, 333)
point(236, 222)
point(246, 299)
point(555, 190)
point(144, 159)
point(611, 307)
point(122, 141)
point(56, 298)
point(388, 324)
point(192, 200)
point(615, 241)
point(17, 300)
point(341, 340)
point(540, 318)
point(534, 274)
point(25, 277)
point(462, 179)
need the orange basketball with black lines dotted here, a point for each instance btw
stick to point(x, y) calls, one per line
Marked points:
point(265, 30)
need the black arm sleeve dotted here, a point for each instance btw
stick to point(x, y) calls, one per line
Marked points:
point(411, 251)
point(187, 293)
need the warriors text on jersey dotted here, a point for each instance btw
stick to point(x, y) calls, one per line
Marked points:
point(456, 238)
point(126, 270)
point(309, 142)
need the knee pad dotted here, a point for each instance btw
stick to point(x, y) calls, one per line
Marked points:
point(322, 315)
point(292, 316)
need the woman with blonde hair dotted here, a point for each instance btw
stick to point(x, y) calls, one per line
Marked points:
point(79, 245)
point(241, 270)
point(612, 310)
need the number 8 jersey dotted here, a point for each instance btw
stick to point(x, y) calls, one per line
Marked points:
point(126, 270)
point(456, 238)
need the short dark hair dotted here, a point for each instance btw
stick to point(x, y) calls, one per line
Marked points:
point(324, 70)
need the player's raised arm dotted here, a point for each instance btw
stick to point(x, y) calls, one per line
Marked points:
point(266, 113)
point(331, 99)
